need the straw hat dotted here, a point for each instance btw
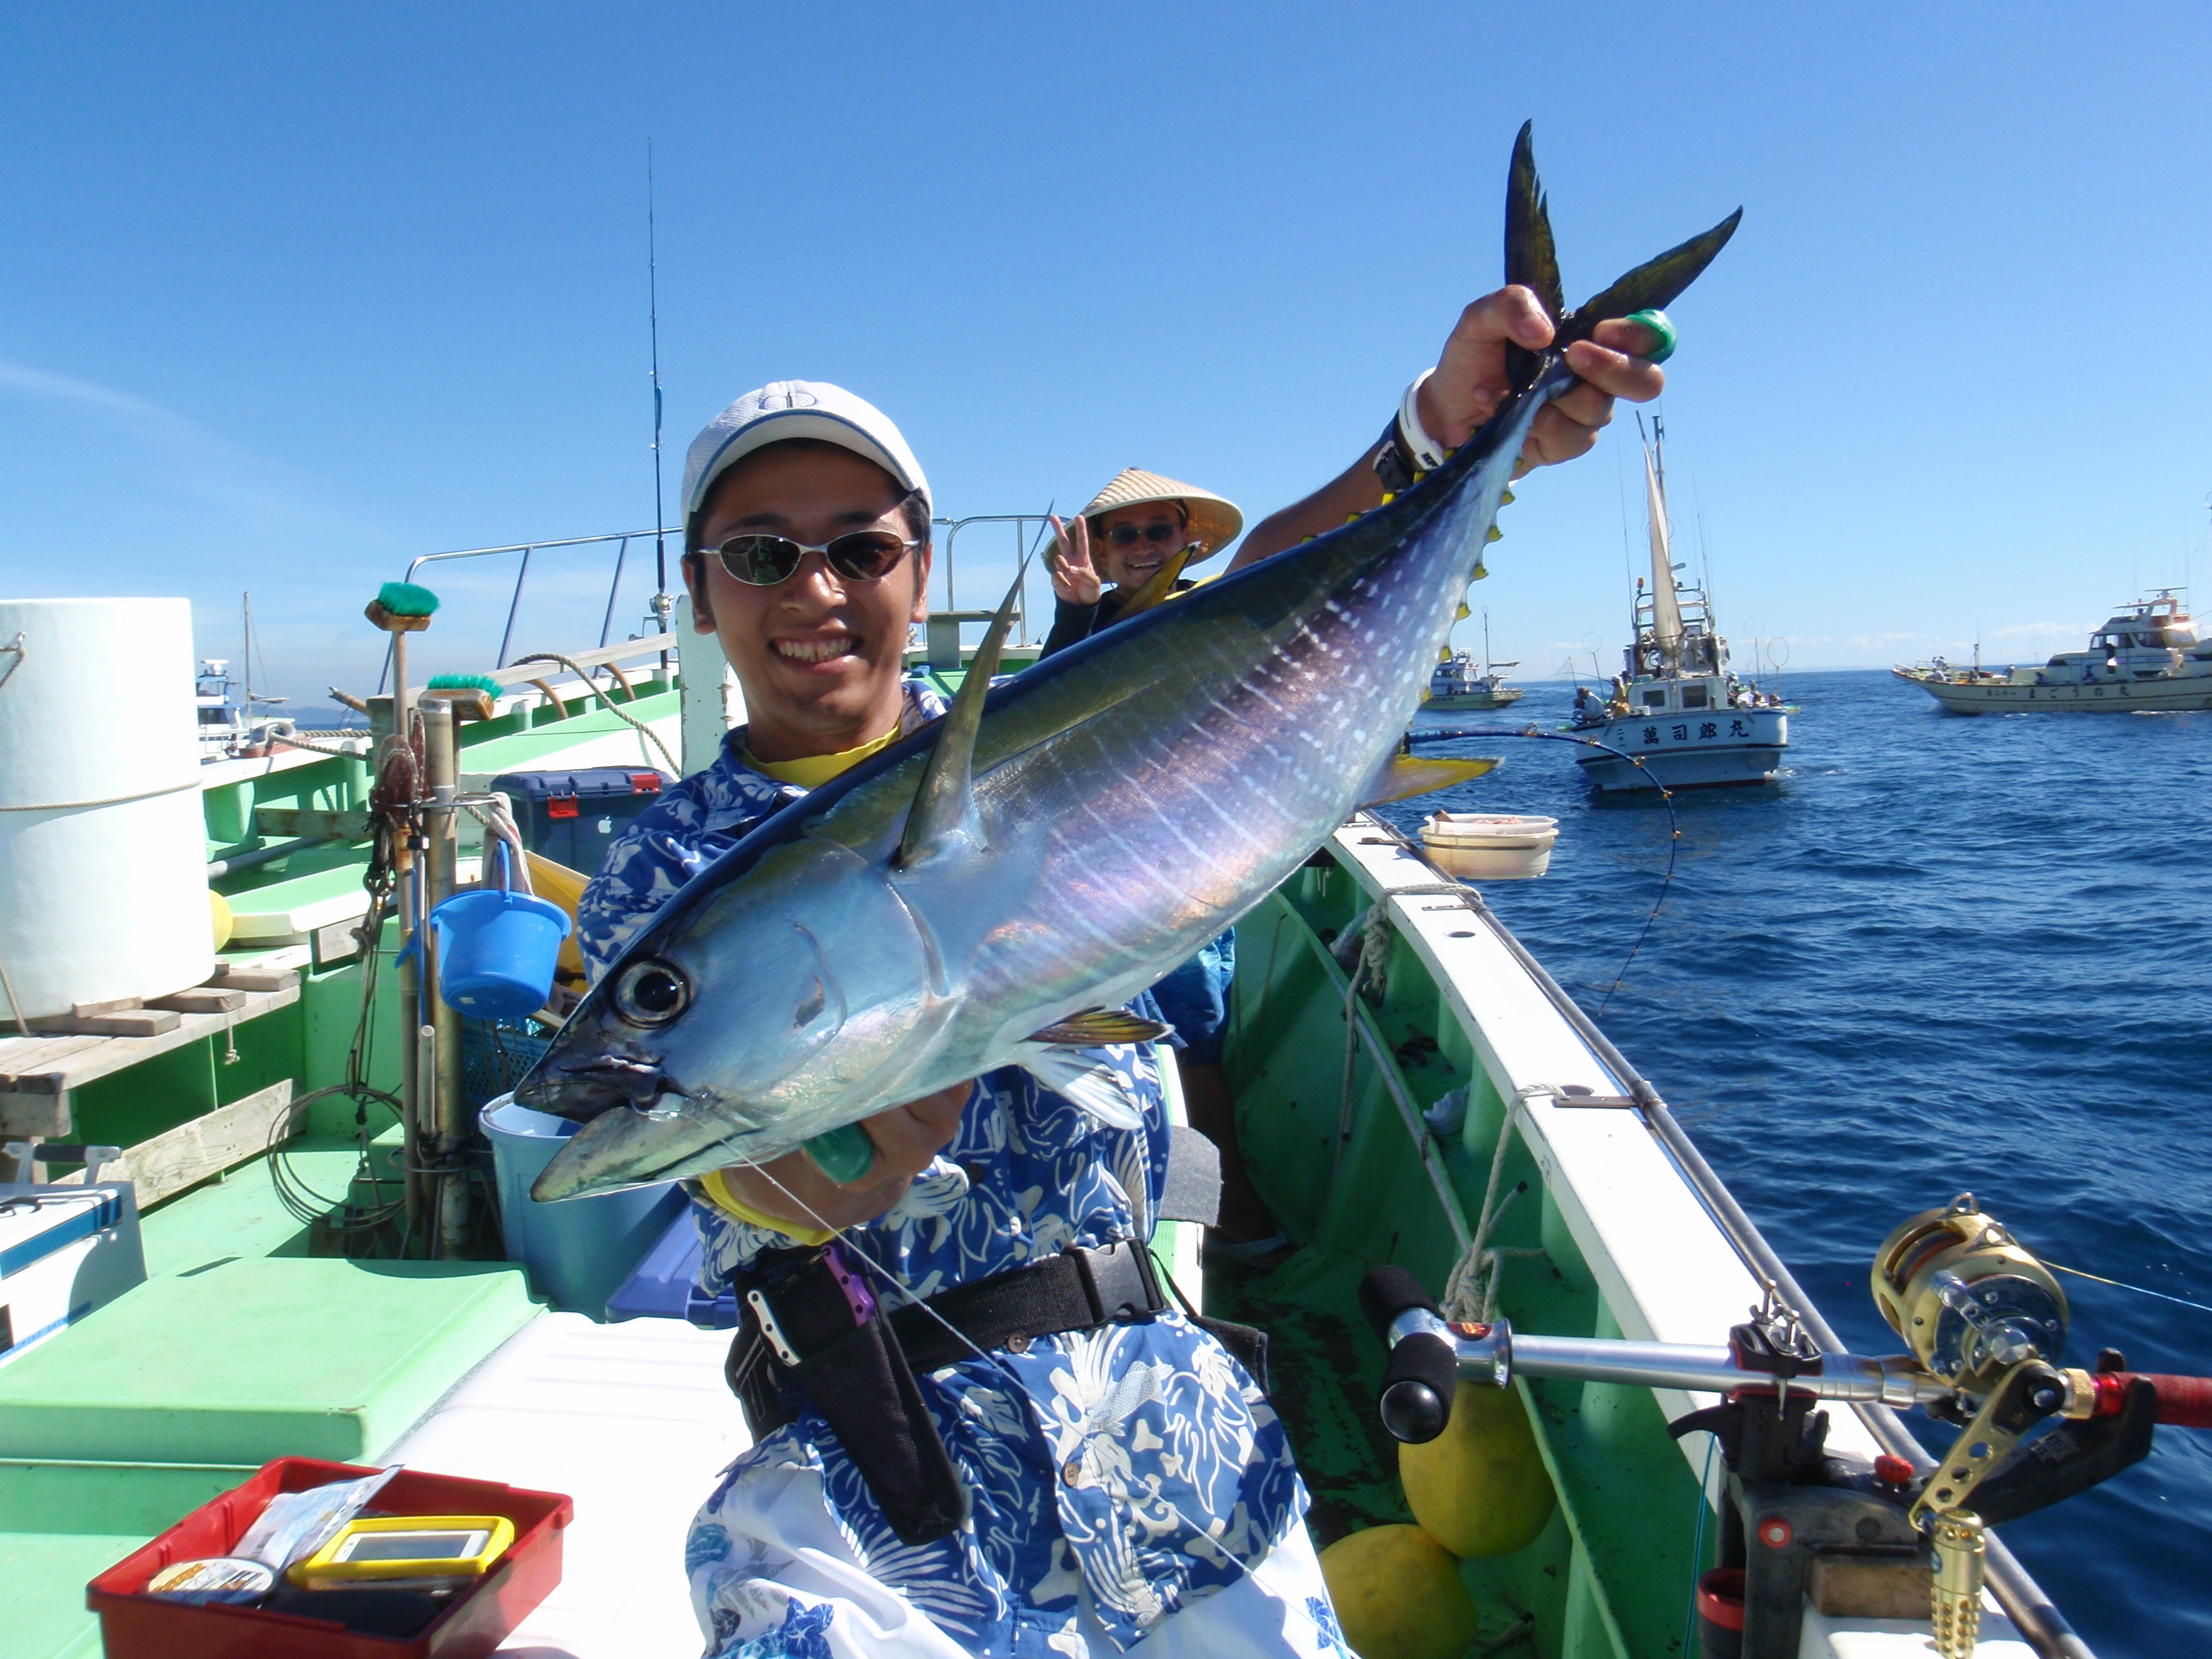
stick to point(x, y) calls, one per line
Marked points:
point(1215, 520)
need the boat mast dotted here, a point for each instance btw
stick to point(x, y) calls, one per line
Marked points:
point(1666, 610)
point(246, 608)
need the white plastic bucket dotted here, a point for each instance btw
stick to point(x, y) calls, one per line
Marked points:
point(1490, 845)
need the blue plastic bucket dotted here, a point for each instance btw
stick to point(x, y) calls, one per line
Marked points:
point(579, 1251)
point(497, 951)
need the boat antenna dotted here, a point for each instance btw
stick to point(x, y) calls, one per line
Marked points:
point(661, 603)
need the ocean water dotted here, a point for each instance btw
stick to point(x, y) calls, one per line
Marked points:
point(1941, 955)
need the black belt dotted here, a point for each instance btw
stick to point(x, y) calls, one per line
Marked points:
point(810, 1322)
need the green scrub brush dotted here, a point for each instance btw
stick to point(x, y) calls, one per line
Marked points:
point(401, 609)
point(475, 693)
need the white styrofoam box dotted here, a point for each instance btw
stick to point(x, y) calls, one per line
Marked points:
point(636, 1424)
point(63, 1252)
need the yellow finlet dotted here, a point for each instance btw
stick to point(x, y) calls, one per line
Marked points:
point(1411, 775)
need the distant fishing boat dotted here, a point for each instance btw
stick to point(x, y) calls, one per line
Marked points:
point(2146, 659)
point(1456, 685)
point(228, 726)
point(1676, 705)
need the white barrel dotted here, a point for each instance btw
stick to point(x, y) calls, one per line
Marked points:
point(103, 849)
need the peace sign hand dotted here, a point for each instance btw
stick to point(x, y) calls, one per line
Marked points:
point(1074, 579)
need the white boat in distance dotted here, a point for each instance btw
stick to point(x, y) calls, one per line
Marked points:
point(2146, 659)
point(1676, 706)
point(1457, 684)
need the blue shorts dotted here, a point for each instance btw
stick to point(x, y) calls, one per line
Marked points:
point(1194, 998)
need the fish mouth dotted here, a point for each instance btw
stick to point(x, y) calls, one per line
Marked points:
point(594, 1087)
point(617, 1150)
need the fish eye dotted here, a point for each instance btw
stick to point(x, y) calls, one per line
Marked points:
point(652, 993)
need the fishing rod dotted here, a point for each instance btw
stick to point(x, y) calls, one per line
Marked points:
point(1985, 1322)
point(661, 602)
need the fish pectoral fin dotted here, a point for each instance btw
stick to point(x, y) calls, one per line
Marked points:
point(1099, 1090)
point(1406, 775)
point(944, 816)
point(1094, 1026)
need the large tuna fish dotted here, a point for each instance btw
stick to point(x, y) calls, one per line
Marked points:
point(969, 898)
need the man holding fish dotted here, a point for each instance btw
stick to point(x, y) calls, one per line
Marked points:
point(980, 1426)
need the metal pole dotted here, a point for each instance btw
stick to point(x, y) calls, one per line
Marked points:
point(506, 639)
point(608, 627)
point(445, 1114)
point(382, 724)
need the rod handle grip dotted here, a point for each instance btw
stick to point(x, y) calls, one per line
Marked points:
point(2183, 1402)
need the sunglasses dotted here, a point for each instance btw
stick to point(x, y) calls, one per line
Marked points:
point(1128, 535)
point(864, 555)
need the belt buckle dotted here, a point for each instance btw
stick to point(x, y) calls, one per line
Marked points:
point(1119, 1281)
point(778, 1343)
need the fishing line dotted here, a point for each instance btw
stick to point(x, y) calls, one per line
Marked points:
point(1666, 799)
point(2120, 1284)
point(1698, 1543)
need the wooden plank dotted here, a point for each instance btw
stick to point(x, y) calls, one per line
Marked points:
point(188, 1154)
point(255, 979)
point(43, 1072)
point(47, 1115)
point(124, 1022)
point(202, 1000)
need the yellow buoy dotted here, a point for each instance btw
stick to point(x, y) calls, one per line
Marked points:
point(1399, 1595)
point(219, 914)
point(1480, 1487)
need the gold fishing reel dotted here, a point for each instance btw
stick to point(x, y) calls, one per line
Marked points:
point(1971, 1302)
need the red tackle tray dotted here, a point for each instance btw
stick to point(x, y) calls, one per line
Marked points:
point(136, 1625)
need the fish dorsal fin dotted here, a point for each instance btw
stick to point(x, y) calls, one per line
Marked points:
point(943, 817)
point(1403, 776)
point(1095, 1026)
point(1161, 584)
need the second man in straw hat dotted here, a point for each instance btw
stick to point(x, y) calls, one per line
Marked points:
point(1131, 531)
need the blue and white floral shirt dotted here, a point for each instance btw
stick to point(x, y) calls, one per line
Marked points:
point(1139, 1461)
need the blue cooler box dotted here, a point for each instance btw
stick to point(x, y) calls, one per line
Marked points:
point(572, 818)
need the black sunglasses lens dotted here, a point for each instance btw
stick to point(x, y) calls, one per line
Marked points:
point(760, 561)
point(865, 554)
point(1123, 535)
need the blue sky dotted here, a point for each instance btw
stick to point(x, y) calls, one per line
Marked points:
point(289, 295)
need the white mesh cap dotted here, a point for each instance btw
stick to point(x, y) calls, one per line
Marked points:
point(795, 408)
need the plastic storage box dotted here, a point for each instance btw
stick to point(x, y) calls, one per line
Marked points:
point(572, 818)
point(135, 1625)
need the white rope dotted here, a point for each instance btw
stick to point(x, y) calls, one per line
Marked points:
point(1471, 1291)
point(599, 691)
point(112, 800)
point(1368, 942)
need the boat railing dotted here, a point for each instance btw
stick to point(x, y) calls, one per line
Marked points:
point(941, 635)
point(620, 540)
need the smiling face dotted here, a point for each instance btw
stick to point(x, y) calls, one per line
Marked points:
point(820, 656)
point(1127, 563)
